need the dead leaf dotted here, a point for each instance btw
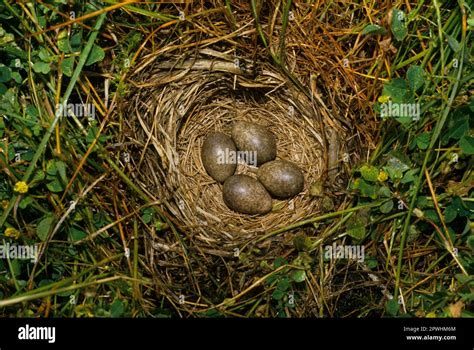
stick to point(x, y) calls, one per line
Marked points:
point(456, 308)
point(386, 45)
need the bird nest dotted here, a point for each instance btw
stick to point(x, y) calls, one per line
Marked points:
point(174, 107)
point(182, 90)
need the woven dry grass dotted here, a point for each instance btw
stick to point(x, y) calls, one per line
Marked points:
point(173, 122)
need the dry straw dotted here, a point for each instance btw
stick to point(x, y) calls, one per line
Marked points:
point(177, 108)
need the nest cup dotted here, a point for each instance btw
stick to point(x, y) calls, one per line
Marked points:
point(172, 112)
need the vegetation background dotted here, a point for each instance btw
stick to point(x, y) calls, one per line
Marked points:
point(62, 185)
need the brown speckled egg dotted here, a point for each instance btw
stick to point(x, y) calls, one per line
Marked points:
point(246, 195)
point(215, 156)
point(252, 137)
point(283, 179)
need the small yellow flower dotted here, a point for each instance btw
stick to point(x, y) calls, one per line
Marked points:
point(21, 187)
point(5, 204)
point(383, 99)
point(11, 232)
point(383, 176)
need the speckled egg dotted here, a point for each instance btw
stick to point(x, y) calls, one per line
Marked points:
point(215, 153)
point(251, 137)
point(246, 195)
point(283, 179)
